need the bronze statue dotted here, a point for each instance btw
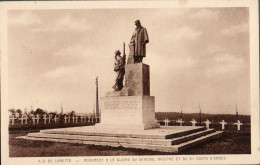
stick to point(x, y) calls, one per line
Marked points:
point(138, 41)
point(119, 68)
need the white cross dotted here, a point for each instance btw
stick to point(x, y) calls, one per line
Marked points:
point(33, 119)
point(69, 119)
point(81, 118)
point(12, 118)
point(238, 124)
point(193, 121)
point(55, 119)
point(73, 118)
point(50, 117)
point(38, 118)
point(65, 118)
point(207, 122)
point(26, 118)
point(22, 119)
point(223, 124)
point(166, 122)
point(76, 119)
point(17, 115)
point(180, 121)
point(44, 118)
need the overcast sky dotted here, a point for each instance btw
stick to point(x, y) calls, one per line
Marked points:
point(196, 56)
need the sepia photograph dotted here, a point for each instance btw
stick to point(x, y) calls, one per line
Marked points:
point(130, 82)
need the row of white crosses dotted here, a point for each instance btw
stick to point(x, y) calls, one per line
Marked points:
point(223, 123)
point(207, 122)
point(36, 119)
point(67, 119)
point(23, 118)
point(45, 118)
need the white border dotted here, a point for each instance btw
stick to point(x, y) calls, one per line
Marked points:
point(252, 158)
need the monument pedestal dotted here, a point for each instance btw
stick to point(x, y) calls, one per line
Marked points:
point(132, 107)
point(128, 112)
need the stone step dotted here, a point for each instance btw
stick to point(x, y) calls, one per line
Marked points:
point(128, 134)
point(154, 147)
point(179, 147)
point(102, 138)
point(122, 139)
point(195, 135)
point(183, 133)
point(190, 143)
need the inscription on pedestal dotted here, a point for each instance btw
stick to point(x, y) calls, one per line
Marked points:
point(129, 112)
point(120, 105)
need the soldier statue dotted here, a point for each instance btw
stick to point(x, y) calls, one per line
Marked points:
point(119, 68)
point(138, 41)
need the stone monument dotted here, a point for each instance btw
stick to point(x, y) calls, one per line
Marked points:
point(132, 107)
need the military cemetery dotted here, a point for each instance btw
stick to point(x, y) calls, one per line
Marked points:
point(131, 87)
point(130, 102)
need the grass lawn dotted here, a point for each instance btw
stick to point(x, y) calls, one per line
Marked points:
point(232, 142)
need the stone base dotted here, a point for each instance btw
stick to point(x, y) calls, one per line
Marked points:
point(137, 79)
point(165, 139)
point(135, 112)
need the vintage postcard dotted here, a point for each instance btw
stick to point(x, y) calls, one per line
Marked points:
point(130, 82)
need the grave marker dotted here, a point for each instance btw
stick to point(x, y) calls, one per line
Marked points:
point(69, 119)
point(65, 119)
point(73, 118)
point(166, 122)
point(193, 121)
point(26, 118)
point(50, 117)
point(238, 124)
point(12, 119)
point(38, 118)
point(223, 124)
point(22, 119)
point(33, 119)
point(207, 122)
point(76, 119)
point(180, 121)
point(44, 118)
point(81, 119)
point(55, 119)
point(17, 115)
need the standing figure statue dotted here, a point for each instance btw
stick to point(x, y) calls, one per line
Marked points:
point(138, 41)
point(119, 68)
